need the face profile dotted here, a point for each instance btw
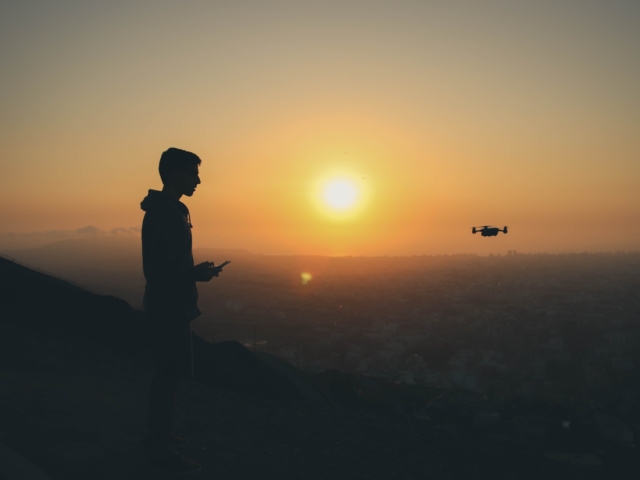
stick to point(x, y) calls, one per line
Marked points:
point(186, 181)
point(179, 172)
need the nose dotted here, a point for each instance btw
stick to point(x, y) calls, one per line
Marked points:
point(197, 180)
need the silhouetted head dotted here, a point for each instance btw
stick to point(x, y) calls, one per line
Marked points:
point(179, 171)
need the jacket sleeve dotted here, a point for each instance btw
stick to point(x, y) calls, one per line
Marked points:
point(160, 232)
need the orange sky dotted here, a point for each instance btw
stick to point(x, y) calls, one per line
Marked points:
point(455, 113)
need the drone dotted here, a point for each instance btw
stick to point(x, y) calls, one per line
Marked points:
point(488, 230)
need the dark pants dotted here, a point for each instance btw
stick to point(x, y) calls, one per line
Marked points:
point(171, 349)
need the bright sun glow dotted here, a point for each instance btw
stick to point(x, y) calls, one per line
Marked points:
point(340, 194)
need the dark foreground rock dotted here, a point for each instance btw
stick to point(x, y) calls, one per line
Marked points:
point(78, 410)
point(49, 304)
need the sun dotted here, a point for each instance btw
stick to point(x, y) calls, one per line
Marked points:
point(340, 194)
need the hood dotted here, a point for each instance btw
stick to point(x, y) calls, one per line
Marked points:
point(156, 197)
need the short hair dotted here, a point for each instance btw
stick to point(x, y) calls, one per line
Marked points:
point(174, 159)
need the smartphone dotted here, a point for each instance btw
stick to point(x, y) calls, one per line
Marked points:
point(223, 264)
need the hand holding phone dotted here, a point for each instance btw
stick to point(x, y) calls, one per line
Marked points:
point(216, 269)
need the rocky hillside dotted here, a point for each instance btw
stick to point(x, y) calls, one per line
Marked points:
point(73, 386)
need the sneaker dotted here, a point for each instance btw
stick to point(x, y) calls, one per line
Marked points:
point(171, 463)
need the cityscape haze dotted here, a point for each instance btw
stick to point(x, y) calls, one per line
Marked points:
point(547, 325)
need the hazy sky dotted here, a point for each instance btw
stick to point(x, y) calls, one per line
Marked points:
point(441, 114)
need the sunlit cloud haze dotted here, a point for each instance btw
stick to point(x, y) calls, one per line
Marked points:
point(443, 115)
point(12, 240)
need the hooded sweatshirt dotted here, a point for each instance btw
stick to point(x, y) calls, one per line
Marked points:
point(167, 260)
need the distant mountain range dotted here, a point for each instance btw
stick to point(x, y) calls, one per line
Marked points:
point(90, 258)
point(104, 252)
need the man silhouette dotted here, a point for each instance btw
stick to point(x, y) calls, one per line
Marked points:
point(171, 302)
